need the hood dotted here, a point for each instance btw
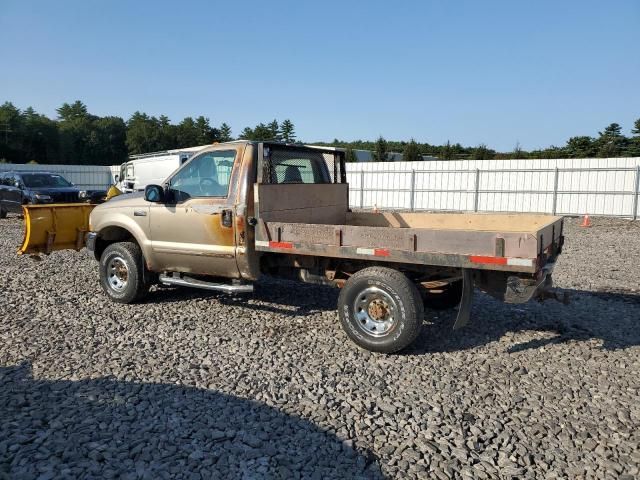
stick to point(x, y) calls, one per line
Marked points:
point(53, 190)
point(135, 199)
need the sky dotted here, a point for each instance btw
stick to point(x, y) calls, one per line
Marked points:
point(491, 72)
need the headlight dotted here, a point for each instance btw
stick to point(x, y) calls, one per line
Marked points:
point(83, 194)
point(42, 197)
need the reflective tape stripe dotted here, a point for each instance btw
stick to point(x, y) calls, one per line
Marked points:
point(262, 243)
point(516, 262)
point(378, 252)
point(520, 262)
point(492, 260)
point(280, 245)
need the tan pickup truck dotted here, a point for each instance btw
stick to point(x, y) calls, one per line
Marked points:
point(242, 209)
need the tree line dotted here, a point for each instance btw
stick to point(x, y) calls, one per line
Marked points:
point(609, 143)
point(79, 137)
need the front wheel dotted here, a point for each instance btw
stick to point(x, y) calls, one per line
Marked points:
point(381, 309)
point(122, 272)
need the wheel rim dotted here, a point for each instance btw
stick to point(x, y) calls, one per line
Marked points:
point(117, 274)
point(375, 312)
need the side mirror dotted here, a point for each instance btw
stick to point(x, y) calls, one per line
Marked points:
point(154, 193)
point(116, 178)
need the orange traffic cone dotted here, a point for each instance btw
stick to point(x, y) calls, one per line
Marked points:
point(586, 221)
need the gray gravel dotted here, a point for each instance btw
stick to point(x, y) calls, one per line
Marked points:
point(194, 384)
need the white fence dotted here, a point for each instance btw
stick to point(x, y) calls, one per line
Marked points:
point(86, 177)
point(562, 186)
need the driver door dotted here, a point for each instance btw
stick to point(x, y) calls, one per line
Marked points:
point(194, 231)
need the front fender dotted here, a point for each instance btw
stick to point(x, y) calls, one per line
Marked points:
point(106, 224)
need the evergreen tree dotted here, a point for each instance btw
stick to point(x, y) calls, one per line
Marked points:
point(188, 133)
point(144, 134)
point(74, 111)
point(380, 152)
point(518, 152)
point(247, 134)
point(274, 131)
point(166, 133)
point(633, 147)
point(580, 147)
point(263, 132)
point(225, 133)
point(287, 130)
point(611, 142)
point(411, 152)
point(447, 151)
point(350, 156)
point(76, 133)
point(481, 152)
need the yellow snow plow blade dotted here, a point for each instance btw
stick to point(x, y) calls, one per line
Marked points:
point(113, 192)
point(55, 227)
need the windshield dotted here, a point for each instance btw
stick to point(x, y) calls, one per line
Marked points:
point(40, 180)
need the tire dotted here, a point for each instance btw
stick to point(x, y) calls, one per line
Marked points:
point(122, 275)
point(3, 213)
point(446, 298)
point(381, 310)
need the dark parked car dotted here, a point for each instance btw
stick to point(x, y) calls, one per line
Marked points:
point(20, 188)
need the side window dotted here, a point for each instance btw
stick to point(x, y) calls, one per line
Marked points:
point(207, 175)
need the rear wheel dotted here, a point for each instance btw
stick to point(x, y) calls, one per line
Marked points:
point(122, 272)
point(381, 310)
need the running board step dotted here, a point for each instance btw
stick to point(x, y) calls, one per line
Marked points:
point(194, 282)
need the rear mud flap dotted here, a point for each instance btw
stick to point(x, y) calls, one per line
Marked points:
point(48, 228)
point(464, 310)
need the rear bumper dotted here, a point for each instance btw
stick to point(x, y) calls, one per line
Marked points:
point(90, 241)
point(521, 290)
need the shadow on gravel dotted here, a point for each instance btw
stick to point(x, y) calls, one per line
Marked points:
point(274, 296)
point(610, 317)
point(103, 428)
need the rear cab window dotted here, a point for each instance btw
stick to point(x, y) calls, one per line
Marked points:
point(298, 165)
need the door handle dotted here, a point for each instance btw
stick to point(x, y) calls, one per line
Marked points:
point(227, 218)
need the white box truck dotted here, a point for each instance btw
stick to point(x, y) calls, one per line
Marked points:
point(151, 168)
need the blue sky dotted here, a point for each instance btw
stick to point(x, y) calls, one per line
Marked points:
point(493, 72)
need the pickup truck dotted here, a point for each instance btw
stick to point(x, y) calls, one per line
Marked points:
point(239, 210)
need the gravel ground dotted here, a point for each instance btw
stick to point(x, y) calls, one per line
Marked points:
point(194, 384)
